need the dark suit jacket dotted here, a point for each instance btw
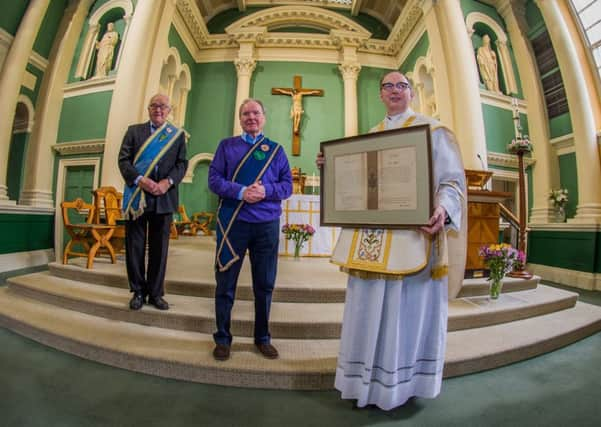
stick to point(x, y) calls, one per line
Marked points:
point(173, 165)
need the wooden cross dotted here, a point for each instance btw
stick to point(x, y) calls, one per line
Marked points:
point(296, 111)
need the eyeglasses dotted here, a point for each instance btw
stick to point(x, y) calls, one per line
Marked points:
point(400, 86)
point(159, 106)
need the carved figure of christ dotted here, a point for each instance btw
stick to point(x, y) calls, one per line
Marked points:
point(296, 110)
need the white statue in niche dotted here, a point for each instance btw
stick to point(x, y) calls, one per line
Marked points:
point(106, 51)
point(487, 63)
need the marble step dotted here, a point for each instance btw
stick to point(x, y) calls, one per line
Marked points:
point(311, 280)
point(303, 364)
point(288, 320)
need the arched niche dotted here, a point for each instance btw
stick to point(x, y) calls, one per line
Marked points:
point(478, 24)
point(423, 82)
point(195, 160)
point(17, 153)
point(176, 82)
point(118, 12)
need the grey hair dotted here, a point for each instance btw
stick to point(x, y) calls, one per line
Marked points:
point(246, 101)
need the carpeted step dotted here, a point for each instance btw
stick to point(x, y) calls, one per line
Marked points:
point(312, 280)
point(474, 350)
point(288, 320)
point(303, 365)
point(480, 286)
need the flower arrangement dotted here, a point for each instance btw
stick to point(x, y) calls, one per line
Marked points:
point(299, 233)
point(499, 258)
point(520, 145)
point(559, 197)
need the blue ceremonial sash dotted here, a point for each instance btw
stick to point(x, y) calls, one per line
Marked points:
point(250, 170)
point(149, 154)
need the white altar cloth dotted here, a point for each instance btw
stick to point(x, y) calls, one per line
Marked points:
point(304, 209)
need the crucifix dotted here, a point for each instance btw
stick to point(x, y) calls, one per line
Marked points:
point(296, 111)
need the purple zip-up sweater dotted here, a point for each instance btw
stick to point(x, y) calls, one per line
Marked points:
point(277, 180)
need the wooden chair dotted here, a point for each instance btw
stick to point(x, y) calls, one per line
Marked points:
point(90, 236)
point(203, 221)
point(185, 226)
point(107, 203)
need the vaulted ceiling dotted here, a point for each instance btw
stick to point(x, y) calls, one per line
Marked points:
point(386, 11)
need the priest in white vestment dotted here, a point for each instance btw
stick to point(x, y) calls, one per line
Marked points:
point(395, 317)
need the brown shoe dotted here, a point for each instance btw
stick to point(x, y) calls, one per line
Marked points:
point(268, 351)
point(221, 352)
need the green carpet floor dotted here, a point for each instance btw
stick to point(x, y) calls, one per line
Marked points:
point(40, 386)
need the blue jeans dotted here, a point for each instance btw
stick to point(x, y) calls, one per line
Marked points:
point(262, 241)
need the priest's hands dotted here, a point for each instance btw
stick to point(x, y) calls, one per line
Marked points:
point(436, 222)
point(254, 193)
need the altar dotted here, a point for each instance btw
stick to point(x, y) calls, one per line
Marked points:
point(304, 209)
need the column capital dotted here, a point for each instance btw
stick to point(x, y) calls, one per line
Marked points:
point(245, 66)
point(349, 70)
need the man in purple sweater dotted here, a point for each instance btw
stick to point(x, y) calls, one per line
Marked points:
point(251, 176)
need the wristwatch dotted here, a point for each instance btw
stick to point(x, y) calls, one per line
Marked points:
point(170, 181)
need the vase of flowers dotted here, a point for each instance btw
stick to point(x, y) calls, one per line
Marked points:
point(499, 258)
point(559, 197)
point(299, 233)
point(520, 145)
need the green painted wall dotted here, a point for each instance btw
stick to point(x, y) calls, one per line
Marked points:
point(370, 108)
point(16, 162)
point(196, 195)
point(469, 6)
point(573, 250)
point(420, 49)
point(323, 118)
point(568, 178)
point(209, 116)
point(560, 125)
point(176, 41)
point(84, 117)
point(24, 232)
point(33, 94)
point(499, 128)
point(49, 28)
point(12, 13)
point(534, 19)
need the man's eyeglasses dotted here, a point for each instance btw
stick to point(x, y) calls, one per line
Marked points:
point(399, 86)
point(158, 106)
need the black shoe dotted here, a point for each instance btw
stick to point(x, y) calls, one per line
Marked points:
point(137, 301)
point(159, 303)
point(267, 350)
point(221, 352)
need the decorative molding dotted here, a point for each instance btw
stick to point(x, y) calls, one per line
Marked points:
point(197, 158)
point(245, 66)
point(412, 13)
point(502, 101)
point(93, 146)
point(24, 126)
point(507, 160)
point(35, 59)
point(87, 87)
point(350, 71)
point(298, 15)
point(564, 144)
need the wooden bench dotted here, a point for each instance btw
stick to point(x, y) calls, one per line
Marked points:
point(107, 203)
point(187, 226)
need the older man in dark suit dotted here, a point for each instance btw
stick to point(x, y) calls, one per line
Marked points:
point(153, 162)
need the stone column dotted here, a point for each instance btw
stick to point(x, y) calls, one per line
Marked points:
point(244, 69)
point(39, 167)
point(588, 163)
point(130, 91)
point(440, 76)
point(545, 170)
point(468, 122)
point(11, 79)
point(350, 73)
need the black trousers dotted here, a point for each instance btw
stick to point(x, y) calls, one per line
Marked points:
point(147, 278)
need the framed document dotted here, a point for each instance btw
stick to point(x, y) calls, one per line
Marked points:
point(378, 180)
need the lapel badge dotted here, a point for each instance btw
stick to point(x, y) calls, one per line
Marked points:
point(264, 147)
point(169, 130)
